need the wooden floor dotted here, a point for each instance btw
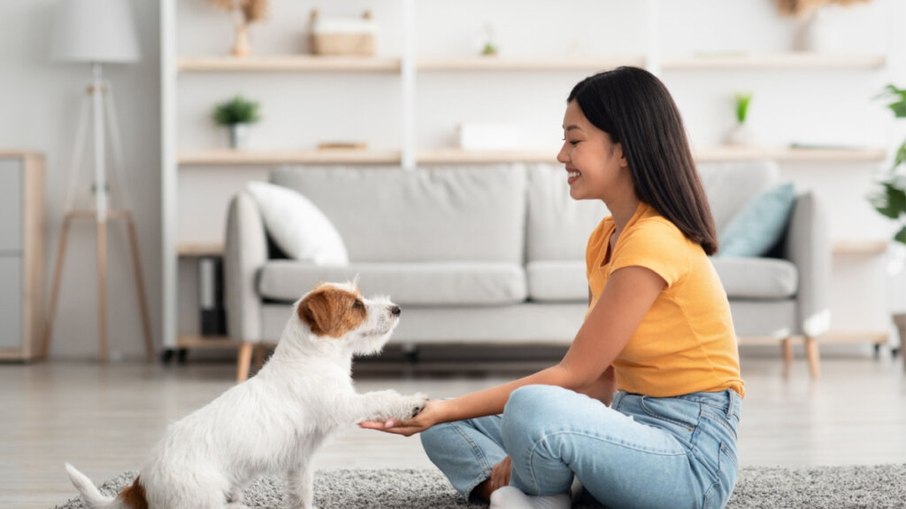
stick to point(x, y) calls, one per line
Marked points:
point(105, 418)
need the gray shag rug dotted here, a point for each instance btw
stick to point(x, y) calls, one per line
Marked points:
point(874, 487)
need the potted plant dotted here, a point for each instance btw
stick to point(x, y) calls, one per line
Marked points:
point(740, 134)
point(245, 12)
point(889, 199)
point(237, 114)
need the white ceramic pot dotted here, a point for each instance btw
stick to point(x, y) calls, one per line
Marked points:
point(739, 134)
point(239, 136)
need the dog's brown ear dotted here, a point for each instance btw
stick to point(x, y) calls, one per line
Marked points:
point(315, 311)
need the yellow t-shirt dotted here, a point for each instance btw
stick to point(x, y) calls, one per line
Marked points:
point(686, 342)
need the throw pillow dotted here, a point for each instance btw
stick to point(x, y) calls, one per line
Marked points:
point(297, 226)
point(755, 229)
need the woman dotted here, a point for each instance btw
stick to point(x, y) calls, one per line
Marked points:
point(643, 408)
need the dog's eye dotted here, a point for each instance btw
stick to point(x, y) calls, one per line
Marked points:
point(357, 304)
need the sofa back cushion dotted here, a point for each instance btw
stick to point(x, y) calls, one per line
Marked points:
point(558, 226)
point(731, 185)
point(387, 214)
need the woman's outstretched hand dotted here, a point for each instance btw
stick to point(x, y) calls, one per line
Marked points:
point(429, 416)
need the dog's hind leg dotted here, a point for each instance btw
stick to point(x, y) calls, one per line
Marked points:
point(301, 487)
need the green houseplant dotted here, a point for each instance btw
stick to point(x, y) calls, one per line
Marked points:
point(237, 114)
point(740, 134)
point(889, 198)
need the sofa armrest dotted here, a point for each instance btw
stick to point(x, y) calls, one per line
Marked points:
point(807, 245)
point(245, 252)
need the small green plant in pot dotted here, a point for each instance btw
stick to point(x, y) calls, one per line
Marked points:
point(237, 114)
point(740, 134)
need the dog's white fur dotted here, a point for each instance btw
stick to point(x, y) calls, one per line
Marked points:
point(271, 424)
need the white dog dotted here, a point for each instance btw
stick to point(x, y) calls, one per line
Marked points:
point(274, 422)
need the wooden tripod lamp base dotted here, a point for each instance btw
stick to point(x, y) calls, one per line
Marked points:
point(126, 216)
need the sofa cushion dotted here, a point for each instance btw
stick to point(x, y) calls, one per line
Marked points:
point(427, 215)
point(427, 283)
point(297, 226)
point(557, 281)
point(558, 226)
point(758, 226)
point(730, 185)
point(757, 278)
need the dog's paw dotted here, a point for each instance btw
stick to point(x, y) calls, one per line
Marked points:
point(417, 402)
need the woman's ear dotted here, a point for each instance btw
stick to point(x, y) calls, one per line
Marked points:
point(622, 155)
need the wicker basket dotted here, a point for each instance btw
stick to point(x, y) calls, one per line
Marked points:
point(348, 37)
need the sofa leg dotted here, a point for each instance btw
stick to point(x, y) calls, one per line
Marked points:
point(811, 352)
point(258, 357)
point(244, 361)
point(787, 345)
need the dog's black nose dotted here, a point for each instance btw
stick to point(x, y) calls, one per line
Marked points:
point(396, 310)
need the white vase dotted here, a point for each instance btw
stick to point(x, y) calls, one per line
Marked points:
point(817, 34)
point(739, 135)
point(239, 136)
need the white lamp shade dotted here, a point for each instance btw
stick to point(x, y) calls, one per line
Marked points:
point(101, 31)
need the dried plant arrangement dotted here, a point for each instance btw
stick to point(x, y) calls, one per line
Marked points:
point(245, 13)
point(803, 7)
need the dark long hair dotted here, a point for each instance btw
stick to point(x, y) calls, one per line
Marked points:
point(636, 110)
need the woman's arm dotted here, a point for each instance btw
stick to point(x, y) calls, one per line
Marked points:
point(626, 298)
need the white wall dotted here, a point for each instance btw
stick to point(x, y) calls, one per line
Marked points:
point(300, 110)
point(40, 101)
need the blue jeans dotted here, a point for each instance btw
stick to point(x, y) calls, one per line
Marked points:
point(639, 452)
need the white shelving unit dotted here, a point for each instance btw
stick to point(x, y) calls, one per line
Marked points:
point(409, 68)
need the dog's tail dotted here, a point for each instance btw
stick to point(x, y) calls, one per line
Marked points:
point(93, 498)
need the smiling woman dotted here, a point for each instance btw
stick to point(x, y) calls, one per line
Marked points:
point(651, 381)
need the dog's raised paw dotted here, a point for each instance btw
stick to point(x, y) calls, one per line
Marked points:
point(418, 403)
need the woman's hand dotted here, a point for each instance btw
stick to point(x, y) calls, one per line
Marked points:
point(430, 415)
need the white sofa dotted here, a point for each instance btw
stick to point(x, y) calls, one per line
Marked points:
point(495, 254)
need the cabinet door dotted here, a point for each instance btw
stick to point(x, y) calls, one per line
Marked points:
point(10, 301)
point(10, 206)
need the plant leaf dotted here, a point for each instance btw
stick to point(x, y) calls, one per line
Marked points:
point(891, 202)
point(900, 156)
point(901, 235)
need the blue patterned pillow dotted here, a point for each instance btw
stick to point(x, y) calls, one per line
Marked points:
point(755, 229)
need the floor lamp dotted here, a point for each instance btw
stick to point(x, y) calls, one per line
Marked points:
point(97, 32)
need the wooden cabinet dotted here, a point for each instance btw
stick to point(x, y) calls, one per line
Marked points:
point(21, 255)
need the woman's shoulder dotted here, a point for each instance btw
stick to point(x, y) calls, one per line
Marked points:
point(652, 225)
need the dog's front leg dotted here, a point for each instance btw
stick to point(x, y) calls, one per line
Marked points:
point(383, 405)
point(301, 487)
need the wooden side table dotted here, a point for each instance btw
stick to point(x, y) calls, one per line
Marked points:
point(21, 254)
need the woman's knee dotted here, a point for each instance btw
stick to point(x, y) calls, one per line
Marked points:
point(534, 399)
point(528, 406)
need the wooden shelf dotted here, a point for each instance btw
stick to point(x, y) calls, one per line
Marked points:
point(804, 155)
point(527, 64)
point(457, 156)
point(867, 336)
point(252, 157)
point(209, 342)
point(200, 249)
point(865, 247)
point(313, 63)
point(288, 63)
point(714, 154)
point(792, 60)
